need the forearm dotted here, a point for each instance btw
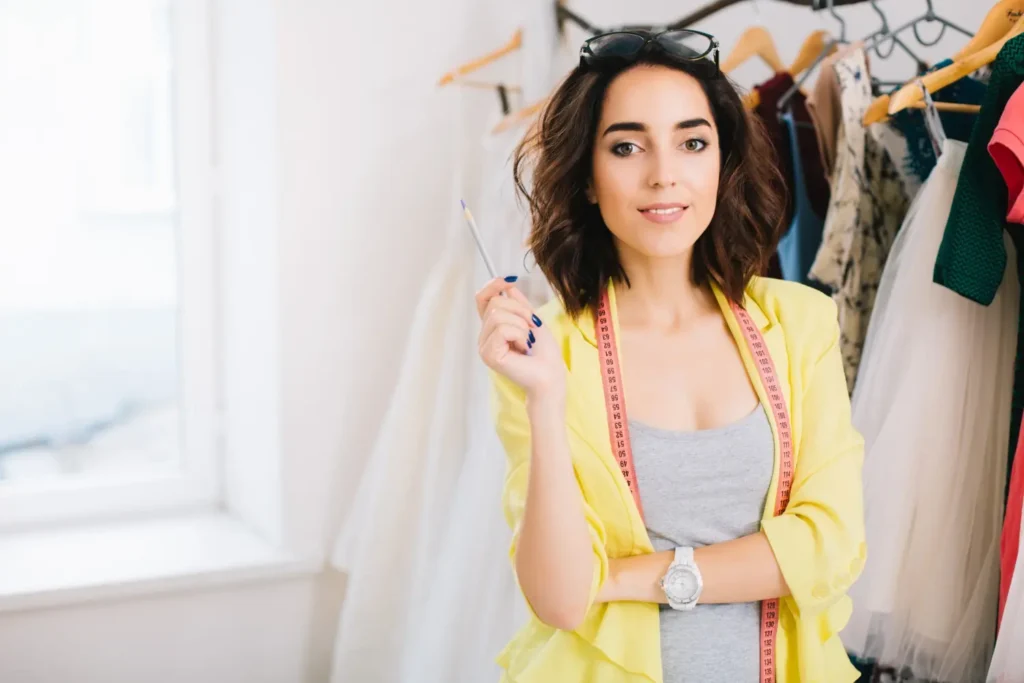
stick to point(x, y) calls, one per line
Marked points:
point(554, 556)
point(742, 570)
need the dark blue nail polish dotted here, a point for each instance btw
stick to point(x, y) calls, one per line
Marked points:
point(532, 338)
point(529, 344)
point(536, 321)
point(511, 278)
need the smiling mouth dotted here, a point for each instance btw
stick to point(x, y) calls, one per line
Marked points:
point(663, 213)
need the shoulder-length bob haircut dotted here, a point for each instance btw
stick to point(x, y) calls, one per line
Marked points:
point(570, 241)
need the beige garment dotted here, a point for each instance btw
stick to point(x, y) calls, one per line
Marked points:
point(865, 212)
point(826, 112)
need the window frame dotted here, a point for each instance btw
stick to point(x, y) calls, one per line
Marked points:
point(197, 482)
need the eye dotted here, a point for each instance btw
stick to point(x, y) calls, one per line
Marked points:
point(624, 149)
point(695, 144)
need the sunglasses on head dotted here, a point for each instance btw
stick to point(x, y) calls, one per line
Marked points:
point(620, 48)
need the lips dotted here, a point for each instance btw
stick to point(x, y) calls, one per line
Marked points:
point(663, 212)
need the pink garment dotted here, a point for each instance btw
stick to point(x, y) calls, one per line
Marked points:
point(1007, 150)
point(1010, 540)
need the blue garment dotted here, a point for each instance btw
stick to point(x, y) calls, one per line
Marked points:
point(957, 125)
point(799, 246)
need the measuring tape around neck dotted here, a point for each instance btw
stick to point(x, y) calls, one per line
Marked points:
point(618, 428)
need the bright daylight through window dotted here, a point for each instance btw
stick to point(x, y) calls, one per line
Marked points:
point(89, 241)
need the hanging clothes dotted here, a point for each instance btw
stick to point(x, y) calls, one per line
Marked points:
point(971, 259)
point(430, 590)
point(1008, 657)
point(1009, 544)
point(472, 606)
point(800, 243)
point(896, 147)
point(1007, 151)
point(767, 110)
point(825, 106)
point(972, 256)
point(816, 185)
point(920, 159)
point(932, 402)
point(867, 207)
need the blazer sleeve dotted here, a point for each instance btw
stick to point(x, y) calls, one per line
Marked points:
point(819, 540)
point(513, 427)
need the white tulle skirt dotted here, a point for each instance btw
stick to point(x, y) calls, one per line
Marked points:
point(933, 403)
point(1008, 658)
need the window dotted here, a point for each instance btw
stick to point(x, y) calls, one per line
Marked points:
point(107, 297)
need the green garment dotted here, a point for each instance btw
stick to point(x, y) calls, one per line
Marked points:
point(972, 257)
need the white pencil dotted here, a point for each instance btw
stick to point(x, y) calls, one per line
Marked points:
point(479, 240)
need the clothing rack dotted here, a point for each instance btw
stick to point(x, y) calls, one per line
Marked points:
point(566, 14)
point(719, 5)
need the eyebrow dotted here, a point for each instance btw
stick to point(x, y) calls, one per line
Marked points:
point(641, 128)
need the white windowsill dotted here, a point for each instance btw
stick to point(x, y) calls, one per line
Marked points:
point(46, 568)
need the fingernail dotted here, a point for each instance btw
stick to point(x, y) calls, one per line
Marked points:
point(532, 339)
point(529, 344)
point(511, 278)
point(536, 321)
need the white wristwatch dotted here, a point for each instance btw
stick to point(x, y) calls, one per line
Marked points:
point(682, 582)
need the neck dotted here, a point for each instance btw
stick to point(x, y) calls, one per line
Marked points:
point(661, 295)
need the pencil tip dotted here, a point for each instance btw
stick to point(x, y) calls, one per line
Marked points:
point(463, 202)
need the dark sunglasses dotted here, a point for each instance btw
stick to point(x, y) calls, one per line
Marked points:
point(620, 48)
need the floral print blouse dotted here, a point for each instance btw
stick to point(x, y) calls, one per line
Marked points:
point(868, 205)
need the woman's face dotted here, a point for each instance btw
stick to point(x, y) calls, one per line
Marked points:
point(656, 161)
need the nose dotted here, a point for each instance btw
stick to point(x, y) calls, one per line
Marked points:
point(661, 174)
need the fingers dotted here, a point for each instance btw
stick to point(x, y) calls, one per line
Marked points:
point(495, 288)
point(501, 340)
point(521, 298)
point(506, 316)
point(512, 305)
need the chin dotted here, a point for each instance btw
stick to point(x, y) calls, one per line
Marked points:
point(662, 245)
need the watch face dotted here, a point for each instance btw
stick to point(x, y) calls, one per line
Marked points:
point(681, 584)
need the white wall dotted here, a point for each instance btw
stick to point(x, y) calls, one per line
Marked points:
point(247, 634)
point(365, 147)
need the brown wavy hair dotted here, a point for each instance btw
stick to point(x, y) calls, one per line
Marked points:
point(569, 239)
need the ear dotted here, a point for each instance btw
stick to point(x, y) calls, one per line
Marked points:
point(591, 195)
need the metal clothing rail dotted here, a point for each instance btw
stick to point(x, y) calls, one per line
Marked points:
point(565, 14)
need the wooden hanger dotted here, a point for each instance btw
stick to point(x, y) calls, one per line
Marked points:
point(997, 23)
point(513, 44)
point(879, 109)
point(755, 42)
point(814, 45)
point(910, 94)
point(517, 117)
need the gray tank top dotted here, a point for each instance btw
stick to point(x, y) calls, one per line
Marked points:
point(700, 488)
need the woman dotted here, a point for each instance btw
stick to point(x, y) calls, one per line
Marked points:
point(652, 214)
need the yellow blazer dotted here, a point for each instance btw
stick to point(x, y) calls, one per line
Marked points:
point(818, 541)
